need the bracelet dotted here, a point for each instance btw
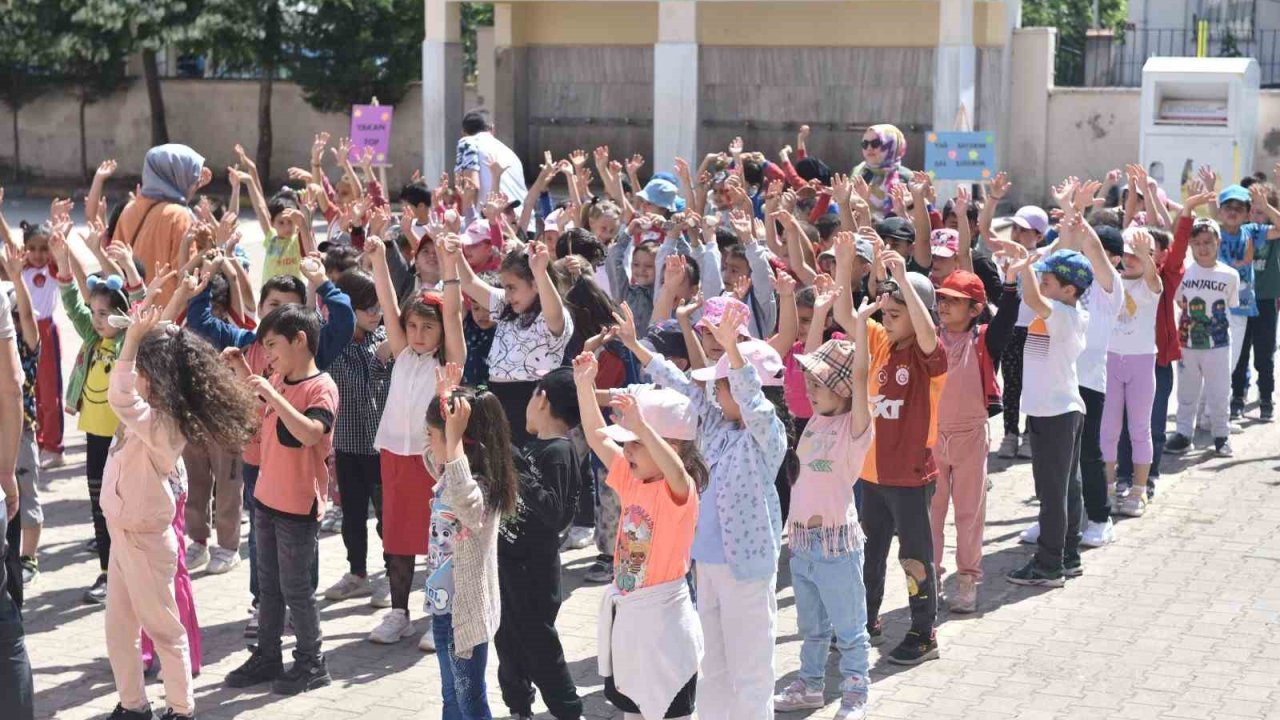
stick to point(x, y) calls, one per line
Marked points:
point(454, 281)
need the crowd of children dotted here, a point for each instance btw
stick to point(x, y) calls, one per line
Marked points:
point(692, 373)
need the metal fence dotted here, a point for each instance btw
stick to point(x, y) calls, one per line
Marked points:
point(1117, 60)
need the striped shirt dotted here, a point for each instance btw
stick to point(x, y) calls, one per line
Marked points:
point(362, 382)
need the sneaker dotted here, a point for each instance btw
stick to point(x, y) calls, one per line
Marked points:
point(332, 521)
point(394, 626)
point(197, 556)
point(123, 713)
point(1097, 534)
point(30, 568)
point(965, 599)
point(1222, 447)
point(1024, 448)
point(579, 537)
point(51, 460)
point(1177, 444)
point(1151, 488)
point(427, 643)
point(1133, 505)
point(222, 560)
point(1237, 408)
point(97, 595)
point(1072, 568)
point(915, 649)
point(797, 696)
point(1031, 574)
point(875, 633)
point(381, 597)
point(351, 585)
point(251, 627)
point(1008, 447)
point(1031, 535)
point(1235, 427)
point(258, 669)
point(600, 572)
point(306, 674)
point(1266, 413)
point(171, 714)
point(853, 706)
point(1114, 492)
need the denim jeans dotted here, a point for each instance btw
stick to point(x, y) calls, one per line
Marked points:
point(250, 483)
point(287, 550)
point(830, 595)
point(461, 679)
point(16, 693)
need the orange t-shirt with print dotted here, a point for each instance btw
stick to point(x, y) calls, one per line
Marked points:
point(655, 532)
point(903, 386)
point(294, 479)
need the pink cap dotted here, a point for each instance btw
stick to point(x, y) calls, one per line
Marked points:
point(945, 242)
point(477, 232)
point(669, 413)
point(758, 354)
point(713, 311)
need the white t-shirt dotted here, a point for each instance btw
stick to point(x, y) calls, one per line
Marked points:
point(8, 334)
point(1209, 292)
point(475, 152)
point(1134, 332)
point(1049, 383)
point(1101, 307)
point(44, 291)
point(403, 427)
point(522, 353)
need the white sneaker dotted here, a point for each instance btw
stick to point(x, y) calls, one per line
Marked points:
point(381, 593)
point(579, 537)
point(797, 696)
point(427, 643)
point(349, 586)
point(51, 460)
point(222, 560)
point(1133, 505)
point(853, 706)
point(1031, 535)
point(197, 556)
point(394, 626)
point(332, 521)
point(1097, 534)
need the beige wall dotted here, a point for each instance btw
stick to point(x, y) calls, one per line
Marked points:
point(897, 23)
point(576, 23)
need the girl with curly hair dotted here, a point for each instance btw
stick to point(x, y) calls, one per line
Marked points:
point(168, 388)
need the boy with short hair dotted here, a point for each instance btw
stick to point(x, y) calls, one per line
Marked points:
point(301, 404)
point(286, 230)
point(1248, 247)
point(1055, 411)
point(908, 368)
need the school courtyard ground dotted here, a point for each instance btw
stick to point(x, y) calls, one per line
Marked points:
point(1180, 618)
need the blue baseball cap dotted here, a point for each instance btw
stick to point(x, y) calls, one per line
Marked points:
point(1233, 192)
point(1068, 266)
point(660, 192)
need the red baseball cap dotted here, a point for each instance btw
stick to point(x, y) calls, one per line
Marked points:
point(963, 284)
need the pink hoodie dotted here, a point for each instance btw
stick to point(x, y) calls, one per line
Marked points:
point(136, 495)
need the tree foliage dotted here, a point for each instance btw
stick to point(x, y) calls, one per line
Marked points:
point(1073, 18)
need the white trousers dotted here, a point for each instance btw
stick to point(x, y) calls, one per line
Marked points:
point(1204, 375)
point(739, 622)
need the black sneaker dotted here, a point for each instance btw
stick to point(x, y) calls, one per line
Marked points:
point(30, 568)
point(172, 714)
point(306, 674)
point(1222, 447)
point(600, 572)
point(121, 713)
point(1033, 575)
point(1072, 569)
point(258, 669)
point(914, 649)
point(1266, 413)
point(1177, 444)
point(97, 595)
point(1237, 408)
point(876, 633)
point(1151, 488)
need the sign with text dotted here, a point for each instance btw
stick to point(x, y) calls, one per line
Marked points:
point(371, 128)
point(960, 156)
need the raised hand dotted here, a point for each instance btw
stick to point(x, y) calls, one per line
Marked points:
point(105, 169)
point(733, 318)
point(784, 284)
point(735, 146)
point(626, 323)
point(585, 367)
point(741, 288)
point(674, 270)
point(634, 163)
point(578, 158)
point(686, 311)
point(448, 379)
point(317, 147)
point(626, 411)
point(1000, 186)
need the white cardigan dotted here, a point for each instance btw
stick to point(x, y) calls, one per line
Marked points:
point(650, 643)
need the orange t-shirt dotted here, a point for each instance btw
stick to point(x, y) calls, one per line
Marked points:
point(655, 533)
point(159, 239)
point(903, 385)
point(294, 478)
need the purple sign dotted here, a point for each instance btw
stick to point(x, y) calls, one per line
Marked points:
point(371, 128)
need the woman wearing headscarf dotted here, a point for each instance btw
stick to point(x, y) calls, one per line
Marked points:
point(883, 147)
point(154, 222)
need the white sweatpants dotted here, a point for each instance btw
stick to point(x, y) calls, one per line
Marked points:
point(1204, 375)
point(739, 621)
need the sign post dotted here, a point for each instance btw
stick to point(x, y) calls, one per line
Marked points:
point(966, 156)
point(371, 128)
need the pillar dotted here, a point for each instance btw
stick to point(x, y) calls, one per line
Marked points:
point(441, 85)
point(510, 102)
point(1029, 135)
point(675, 84)
point(955, 64)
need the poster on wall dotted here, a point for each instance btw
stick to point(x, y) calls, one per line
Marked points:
point(371, 128)
point(969, 156)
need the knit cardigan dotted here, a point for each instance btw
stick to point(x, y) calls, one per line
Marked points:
point(476, 603)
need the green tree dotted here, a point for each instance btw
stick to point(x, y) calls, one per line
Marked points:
point(349, 52)
point(26, 44)
point(474, 15)
point(89, 54)
point(1073, 18)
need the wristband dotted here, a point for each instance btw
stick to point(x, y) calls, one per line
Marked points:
point(454, 281)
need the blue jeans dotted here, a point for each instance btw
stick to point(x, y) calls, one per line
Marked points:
point(830, 595)
point(461, 679)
